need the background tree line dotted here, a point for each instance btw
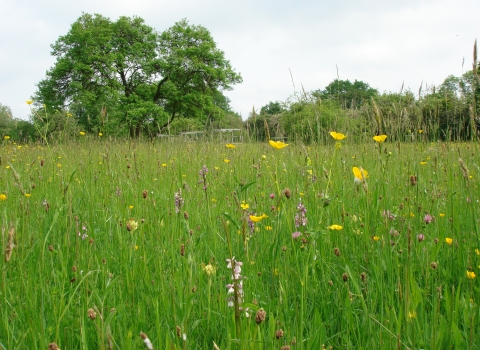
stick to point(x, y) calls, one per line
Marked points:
point(125, 79)
point(450, 111)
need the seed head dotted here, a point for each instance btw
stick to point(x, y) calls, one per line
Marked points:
point(363, 276)
point(413, 180)
point(260, 316)
point(91, 314)
point(279, 334)
point(337, 251)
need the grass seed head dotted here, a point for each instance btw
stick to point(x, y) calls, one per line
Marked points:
point(91, 314)
point(260, 316)
point(279, 334)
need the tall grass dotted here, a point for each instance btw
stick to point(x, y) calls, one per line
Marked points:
point(109, 239)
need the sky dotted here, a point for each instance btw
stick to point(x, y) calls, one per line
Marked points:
point(279, 47)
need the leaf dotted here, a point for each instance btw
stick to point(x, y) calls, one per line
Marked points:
point(231, 220)
point(245, 187)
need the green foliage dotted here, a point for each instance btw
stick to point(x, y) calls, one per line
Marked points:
point(310, 120)
point(16, 129)
point(185, 124)
point(262, 127)
point(139, 79)
point(194, 70)
point(6, 119)
point(272, 108)
point(347, 94)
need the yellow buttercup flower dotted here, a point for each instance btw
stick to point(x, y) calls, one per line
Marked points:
point(28, 195)
point(335, 227)
point(337, 136)
point(380, 138)
point(376, 238)
point(258, 218)
point(360, 174)
point(6, 137)
point(226, 160)
point(449, 241)
point(3, 197)
point(277, 144)
point(100, 134)
point(82, 133)
point(244, 205)
point(29, 102)
point(230, 145)
point(471, 275)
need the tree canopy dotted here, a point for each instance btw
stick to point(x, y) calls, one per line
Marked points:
point(348, 94)
point(124, 73)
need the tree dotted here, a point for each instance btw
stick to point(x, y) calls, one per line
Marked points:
point(349, 95)
point(123, 73)
point(15, 129)
point(5, 120)
point(271, 108)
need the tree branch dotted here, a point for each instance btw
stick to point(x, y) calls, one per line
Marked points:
point(159, 87)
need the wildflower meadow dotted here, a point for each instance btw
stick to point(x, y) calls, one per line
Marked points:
point(200, 245)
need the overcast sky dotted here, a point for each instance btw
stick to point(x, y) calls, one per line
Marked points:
point(383, 43)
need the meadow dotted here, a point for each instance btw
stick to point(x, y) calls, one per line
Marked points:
point(124, 245)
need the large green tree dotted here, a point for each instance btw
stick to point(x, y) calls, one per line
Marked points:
point(125, 74)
